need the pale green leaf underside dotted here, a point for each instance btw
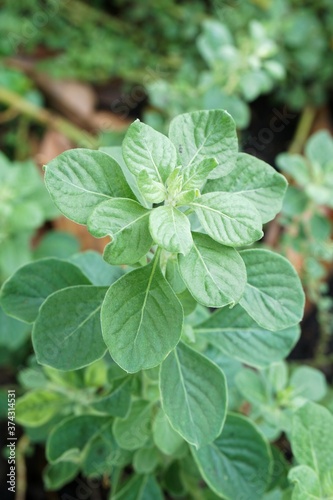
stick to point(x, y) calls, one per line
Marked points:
point(126, 221)
point(141, 319)
point(229, 219)
point(79, 179)
point(273, 296)
point(214, 274)
point(205, 134)
point(237, 335)
point(256, 181)
point(146, 149)
point(67, 333)
point(25, 291)
point(171, 229)
point(193, 394)
point(238, 463)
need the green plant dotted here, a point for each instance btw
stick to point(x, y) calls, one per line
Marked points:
point(176, 210)
point(24, 206)
point(235, 71)
point(306, 219)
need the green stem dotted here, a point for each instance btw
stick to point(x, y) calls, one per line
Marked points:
point(303, 130)
point(115, 477)
point(45, 117)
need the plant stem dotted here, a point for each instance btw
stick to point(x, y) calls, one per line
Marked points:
point(303, 130)
point(47, 118)
point(21, 486)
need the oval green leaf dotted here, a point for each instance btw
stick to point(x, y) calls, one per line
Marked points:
point(79, 179)
point(193, 394)
point(214, 274)
point(237, 335)
point(206, 134)
point(142, 319)
point(229, 219)
point(273, 296)
point(126, 222)
point(25, 291)
point(67, 333)
point(238, 463)
point(256, 181)
point(171, 229)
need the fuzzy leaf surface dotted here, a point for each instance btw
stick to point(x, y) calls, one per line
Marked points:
point(256, 181)
point(273, 295)
point(79, 179)
point(171, 229)
point(229, 219)
point(26, 290)
point(214, 274)
point(237, 335)
point(141, 319)
point(126, 222)
point(146, 149)
point(67, 332)
point(194, 395)
point(205, 134)
point(238, 463)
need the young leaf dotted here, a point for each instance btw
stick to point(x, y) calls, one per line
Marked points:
point(238, 463)
point(229, 219)
point(117, 154)
point(193, 394)
point(237, 335)
point(273, 296)
point(205, 134)
point(59, 473)
point(307, 484)
point(26, 290)
point(146, 149)
point(256, 181)
point(133, 431)
point(79, 179)
point(312, 438)
point(67, 333)
point(214, 274)
point(37, 407)
point(126, 221)
point(74, 433)
point(165, 437)
point(171, 229)
point(309, 383)
point(141, 318)
point(140, 487)
point(13, 333)
point(196, 174)
point(296, 166)
point(319, 148)
point(152, 191)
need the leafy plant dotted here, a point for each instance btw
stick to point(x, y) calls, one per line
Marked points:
point(24, 207)
point(238, 70)
point(306, 217)
point(180, 212)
